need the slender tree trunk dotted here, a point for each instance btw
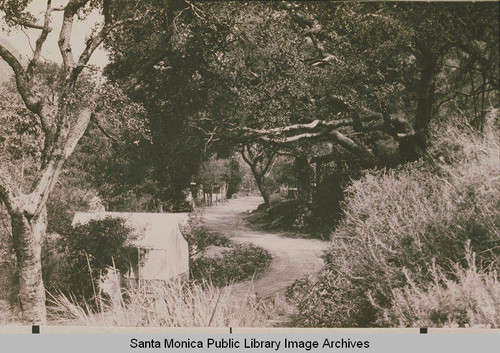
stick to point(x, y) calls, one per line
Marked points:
point(317, 176)
point(28, 234)
point(259, 180)
point(413, 147)
point(304, 179)
point(426, 91)
point(480, 117)
point(259, 170)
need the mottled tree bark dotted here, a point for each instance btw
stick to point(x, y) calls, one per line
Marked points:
point(28, 234)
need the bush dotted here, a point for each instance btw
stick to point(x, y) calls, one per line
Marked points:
point(294, 216)
point(200, 237)
point(401, 223)
point(216, 258)
point(322, 301)
point(231, 264)
point(86, 252)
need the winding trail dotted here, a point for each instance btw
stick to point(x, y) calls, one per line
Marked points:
point(292, 257)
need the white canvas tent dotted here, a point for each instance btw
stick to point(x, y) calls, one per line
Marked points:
point(158, 234)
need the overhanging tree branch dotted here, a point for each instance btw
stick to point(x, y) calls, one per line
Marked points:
point(283, 137)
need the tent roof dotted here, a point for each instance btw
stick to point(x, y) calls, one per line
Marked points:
point(153, 230)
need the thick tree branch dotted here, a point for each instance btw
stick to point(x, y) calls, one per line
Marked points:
point(33, 103)
point(269, 164)
point(313, 131)
point(297, 127)
point(67, 139)
point(314, 126)
point(245, 157)
point(344, 141)
point(31, 25)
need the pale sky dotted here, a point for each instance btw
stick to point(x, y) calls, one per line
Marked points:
point(50, 51)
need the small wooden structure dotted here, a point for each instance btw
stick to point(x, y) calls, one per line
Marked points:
point(216, 194)
point(288, 192)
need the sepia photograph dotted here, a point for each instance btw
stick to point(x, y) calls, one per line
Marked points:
point(249, 164)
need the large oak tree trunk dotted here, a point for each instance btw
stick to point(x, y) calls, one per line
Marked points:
point(28, 234)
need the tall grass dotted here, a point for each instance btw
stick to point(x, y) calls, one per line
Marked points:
point(172, 304)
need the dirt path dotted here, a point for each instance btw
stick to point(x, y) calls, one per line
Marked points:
point(292, 257)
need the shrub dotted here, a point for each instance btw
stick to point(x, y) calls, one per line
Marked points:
point(399, 223)
point(200, 237)
point(216, 258)
point(231, 264)
point(322, 301)
point(86, 252)
point(293, 216)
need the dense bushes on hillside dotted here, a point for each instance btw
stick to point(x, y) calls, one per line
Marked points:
point(404, 224)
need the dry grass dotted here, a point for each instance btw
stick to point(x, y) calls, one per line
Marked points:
point(174, 304)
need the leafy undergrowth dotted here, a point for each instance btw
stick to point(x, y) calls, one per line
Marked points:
point(217, 259)
point(292, 216)
point(399, 226)
point(170, 304)
point(230, 265)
